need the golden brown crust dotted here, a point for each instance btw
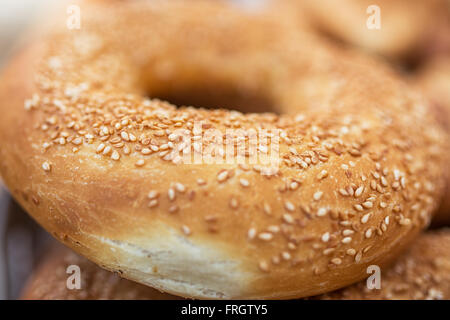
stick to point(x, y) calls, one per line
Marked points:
point(361, 167)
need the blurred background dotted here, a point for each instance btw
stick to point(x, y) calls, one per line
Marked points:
point(21, 240)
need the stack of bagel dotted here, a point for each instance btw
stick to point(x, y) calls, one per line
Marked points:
point(353, 169)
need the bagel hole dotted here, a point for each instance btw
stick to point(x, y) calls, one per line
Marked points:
point(215, 95)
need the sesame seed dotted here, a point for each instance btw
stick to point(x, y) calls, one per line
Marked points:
point(153, 203)
point(336, 261)
point(350, 191)
point(77, 141)
point(124, 136)
point(273, 229)
point(347, 240)
point(201, 182)
point(368, 233)
point(234, 204)
point(180, 187)
point(322, 212)
point(186, 230)
point(100, 148)
point(171, 194)
point(359, 191)
point(266, 236)
point(264, 266)
point(347, 232)
point(251, 233)
point(115, 155)
point(322, 175)
point(365, 218)
point(367, 204)
point(288, 218)
point(351, 252)
point(325, 237)
point(107, 150)
point(244, 183)
point(267, 209)
point(222, 176)
point(46, 166)
point(405, 222)
point(139, 163)
point(317, 195)
point(403, 182)
point(153, 194)
point(289, 206)
point(286, 255)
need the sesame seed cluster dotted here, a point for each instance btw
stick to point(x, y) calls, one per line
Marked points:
point(421, 273)
point(359, 159)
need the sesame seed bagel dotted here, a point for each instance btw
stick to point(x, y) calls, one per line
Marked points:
point(422, 272)
point(405, 27)
point(349, 172)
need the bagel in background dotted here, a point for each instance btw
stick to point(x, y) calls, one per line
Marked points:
point(49, 281)
point(433, 79)
point(422, 272)
point(84, 150)
point(408, 27)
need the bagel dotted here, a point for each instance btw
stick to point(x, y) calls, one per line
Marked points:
point(406, 27)
point(433, 79)
point(86, 151)
point(423, 272)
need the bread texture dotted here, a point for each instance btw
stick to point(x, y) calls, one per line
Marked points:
point(88, 150)
point(422, 272)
